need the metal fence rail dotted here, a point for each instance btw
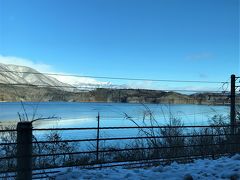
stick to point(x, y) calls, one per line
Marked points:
point(171, 143)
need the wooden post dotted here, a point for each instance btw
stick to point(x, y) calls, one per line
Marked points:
point(24, 151)
point(232, 108)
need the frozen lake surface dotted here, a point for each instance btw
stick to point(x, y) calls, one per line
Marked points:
point(79, 115)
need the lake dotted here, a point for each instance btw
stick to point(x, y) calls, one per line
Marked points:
point(111, 114)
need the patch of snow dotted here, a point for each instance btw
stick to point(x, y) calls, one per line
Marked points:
point(222, 168)
point(84, 82)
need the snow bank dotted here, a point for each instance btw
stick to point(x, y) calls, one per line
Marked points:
point(223, 168)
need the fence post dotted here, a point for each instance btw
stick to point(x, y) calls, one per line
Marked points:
point(98, 134)
point(24, 151)
point(232, 108)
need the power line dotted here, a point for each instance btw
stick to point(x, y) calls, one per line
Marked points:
point(92, 87)
point(120, 78)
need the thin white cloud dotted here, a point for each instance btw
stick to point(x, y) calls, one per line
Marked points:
point(25, 62)
point(203, 76)
point(200, 56)
point(141, 85)
point(46, 68)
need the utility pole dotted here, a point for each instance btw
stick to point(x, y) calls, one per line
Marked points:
point(232, 108)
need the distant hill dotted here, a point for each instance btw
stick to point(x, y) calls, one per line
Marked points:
point(34, 93)
point(52, 90)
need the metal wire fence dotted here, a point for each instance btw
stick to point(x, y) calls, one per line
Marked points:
point(152, 145)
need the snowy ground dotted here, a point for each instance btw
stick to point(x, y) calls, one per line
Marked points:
point(222, 168)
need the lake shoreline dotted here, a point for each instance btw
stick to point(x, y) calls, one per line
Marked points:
point(102, 102)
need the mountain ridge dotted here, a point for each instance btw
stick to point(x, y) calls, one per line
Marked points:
point(15, 74)
point(54, 90)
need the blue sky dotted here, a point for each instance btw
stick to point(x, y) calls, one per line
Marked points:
point(158, 39)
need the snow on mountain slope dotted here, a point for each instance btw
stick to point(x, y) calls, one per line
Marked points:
point(15, 74)
point(82, 81)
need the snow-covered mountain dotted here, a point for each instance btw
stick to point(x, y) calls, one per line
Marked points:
point(83, 82)
point(15, 74)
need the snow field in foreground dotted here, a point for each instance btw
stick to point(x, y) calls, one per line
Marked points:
point(222, 168)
